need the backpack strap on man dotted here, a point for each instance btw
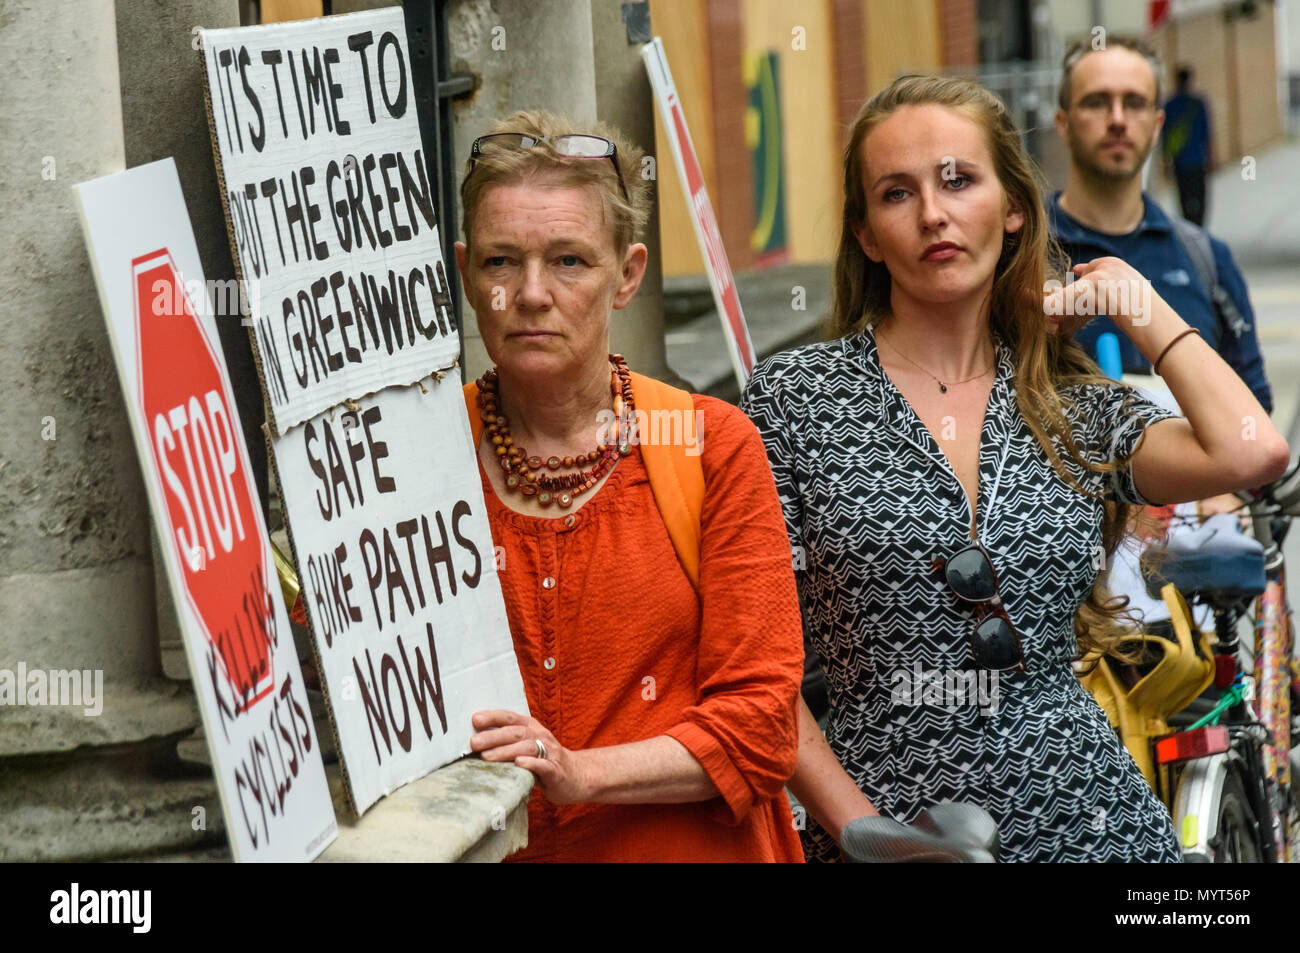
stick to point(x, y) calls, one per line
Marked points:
point(676, 477)
point(1197, 243)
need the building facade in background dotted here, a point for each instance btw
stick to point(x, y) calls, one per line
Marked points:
point(770, 88)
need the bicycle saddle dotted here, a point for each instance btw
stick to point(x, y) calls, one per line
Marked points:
point(1212, 560)
point(948, 833)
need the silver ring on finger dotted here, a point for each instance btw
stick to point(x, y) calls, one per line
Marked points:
point(541, 748)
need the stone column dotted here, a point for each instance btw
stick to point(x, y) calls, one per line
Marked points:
point(572, 57)
point(525, 56)
point(624, 100)
point(76, 580)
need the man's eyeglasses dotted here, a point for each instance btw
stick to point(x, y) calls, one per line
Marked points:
point(995, 642)
point(570, 146)
point(1134, 104)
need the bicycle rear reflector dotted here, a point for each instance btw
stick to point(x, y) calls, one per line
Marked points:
point(1211, 739)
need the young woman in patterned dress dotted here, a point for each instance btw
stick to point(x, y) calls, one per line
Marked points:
point(952, 469)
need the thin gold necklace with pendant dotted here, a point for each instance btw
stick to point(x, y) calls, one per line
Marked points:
point(942, 386)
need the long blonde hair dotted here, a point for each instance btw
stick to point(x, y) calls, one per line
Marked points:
point(1045, 362)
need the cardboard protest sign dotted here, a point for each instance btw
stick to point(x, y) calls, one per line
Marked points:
point(399, 578)
point(330, 206)
point(707, 234)
point(256, 716)
point(379, 478)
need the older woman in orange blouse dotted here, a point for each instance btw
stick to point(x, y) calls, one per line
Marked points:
point(662, 709)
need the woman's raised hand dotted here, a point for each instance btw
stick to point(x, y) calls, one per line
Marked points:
point(1104, 286)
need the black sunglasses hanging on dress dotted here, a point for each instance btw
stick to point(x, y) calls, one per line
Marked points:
point(995, 642)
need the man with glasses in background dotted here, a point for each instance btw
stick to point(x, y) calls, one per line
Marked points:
point(1109, 118)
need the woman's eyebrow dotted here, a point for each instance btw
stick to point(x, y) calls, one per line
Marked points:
point(571, 242)
point(497, 246)
point(888, 176)
point(947, 163)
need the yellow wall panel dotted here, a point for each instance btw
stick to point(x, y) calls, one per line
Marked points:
point(812, 196)
point(901, 37)
point(682, 26)
point(1201, 41)
point(278, 11)
point(1258, 113)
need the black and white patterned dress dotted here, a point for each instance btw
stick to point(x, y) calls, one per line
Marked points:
point(871, 499)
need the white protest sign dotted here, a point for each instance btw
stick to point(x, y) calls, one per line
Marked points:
point(330, 207)
point(721, 281)
point(383, 502)
point(399, 577)
point(264, 748)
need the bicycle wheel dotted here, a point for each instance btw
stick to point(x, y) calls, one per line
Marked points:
point(1234, 840)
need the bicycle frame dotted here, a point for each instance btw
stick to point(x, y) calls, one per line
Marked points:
point(1274, 644)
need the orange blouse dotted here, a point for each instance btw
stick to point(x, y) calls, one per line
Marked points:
point(615, 646)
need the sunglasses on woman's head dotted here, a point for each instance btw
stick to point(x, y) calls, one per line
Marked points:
point(570, 146)
point(995, 642)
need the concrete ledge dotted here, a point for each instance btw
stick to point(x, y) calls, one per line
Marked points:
point(468, 811)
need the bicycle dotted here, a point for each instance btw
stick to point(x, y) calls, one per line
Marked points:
point(1230, 766)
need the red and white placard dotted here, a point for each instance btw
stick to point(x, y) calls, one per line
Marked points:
point(258, 724)
point(707, 234)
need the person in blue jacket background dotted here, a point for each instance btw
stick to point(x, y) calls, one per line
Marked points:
point(1109, 117)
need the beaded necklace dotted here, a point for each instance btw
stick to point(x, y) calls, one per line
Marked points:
point(524, 473)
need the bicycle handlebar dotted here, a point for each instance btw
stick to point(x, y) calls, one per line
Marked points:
point(1286, 491)
point(1279, 498)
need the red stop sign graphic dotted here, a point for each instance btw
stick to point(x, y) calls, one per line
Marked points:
point(207, 488)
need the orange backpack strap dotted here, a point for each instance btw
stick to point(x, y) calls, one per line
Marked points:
point(676, 478)
point(471, 407)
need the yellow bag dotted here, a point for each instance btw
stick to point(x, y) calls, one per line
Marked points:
point(1139, 710)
